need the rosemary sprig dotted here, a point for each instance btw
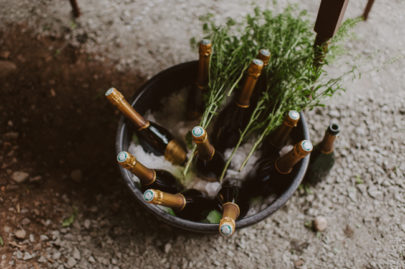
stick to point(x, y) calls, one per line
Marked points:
point(290, 75)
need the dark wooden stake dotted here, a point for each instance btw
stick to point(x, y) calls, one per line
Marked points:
point(75, 8)
point(329, 18)
point(367, 9)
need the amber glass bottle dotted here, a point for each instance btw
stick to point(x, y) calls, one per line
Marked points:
point(323, 157)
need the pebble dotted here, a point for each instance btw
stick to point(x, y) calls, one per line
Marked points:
point(320, 223)
point(35, 179)
point(87, 223)
point(56, 255)
point(373, 192)
point(10, 135)
point(168, 247)
point(25, 221)
point(76, 254)
point(7, 68)
point(76, 175)
point(20, 234)
point(27, 256)
point(91, 259)
point(43, 237)
point(32, 238)
point(19, 176)
point(71, 262)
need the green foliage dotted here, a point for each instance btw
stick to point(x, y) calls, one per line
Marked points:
point(292, 81)
point(1, 241)
point(214, 217)
point(69, 221)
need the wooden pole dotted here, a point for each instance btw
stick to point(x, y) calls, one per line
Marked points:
point(75, 8)
point(367, 9)
point(329, 18)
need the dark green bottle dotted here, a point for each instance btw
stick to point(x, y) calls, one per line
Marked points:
point(153, 137)
point(274, 177)
point(149, 178)
point(210, 162)
point(232, 206)
point(235, 116)
point(190, 204)
point(195, 100)
point(323, 157)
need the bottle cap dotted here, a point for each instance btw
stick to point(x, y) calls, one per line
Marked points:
point(264, 55)
point(306, 146)
point(199, 134)
point(205, 47)
point(333, 129)
point(292, 118)
point(226, 229)
point(114, 95)
point(149, 195)
point(122, 156)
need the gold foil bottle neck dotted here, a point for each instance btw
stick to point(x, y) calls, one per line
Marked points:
point(285, 164)
point(157, 197)
point(128, 161)
point(175, 153)
point(264, 55)
point(292, 118)
point(118, 100)
point(253, 74)
point(204, 148)
point(227, 224)
point(205, 48)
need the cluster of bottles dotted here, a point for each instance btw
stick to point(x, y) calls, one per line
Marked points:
point(271, 175)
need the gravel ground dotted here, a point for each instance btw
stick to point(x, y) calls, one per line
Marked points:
point(363, 199)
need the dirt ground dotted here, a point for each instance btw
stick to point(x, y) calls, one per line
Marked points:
point(57, 136)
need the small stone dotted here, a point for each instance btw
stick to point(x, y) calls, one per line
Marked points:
point(373, 192)
point(320, 223)
point(35, 179)
point(10, 135)
point(56, 255)
point(91, 259)
point(20, 234)
point(27, 256)
point(76, 254)
point(7, 68)
point(167, 247)
point(87, 224)
point(76, 175)
point(19, 176)
point(18, 254)
point(32, 238)
point(25, 221)
point(71, 262)
point(42, 259)
point(298, 263)
point(43, 237)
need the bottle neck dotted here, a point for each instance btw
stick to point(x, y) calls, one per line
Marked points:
point(146, 176)
point(281, 134)
point(230, 213)
point(326, 146)
point(253, 74)
point(205, 150)
point(157, 197)
point(203, 67)
point(285, 164)
point(118, 100)
point(175, 153)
